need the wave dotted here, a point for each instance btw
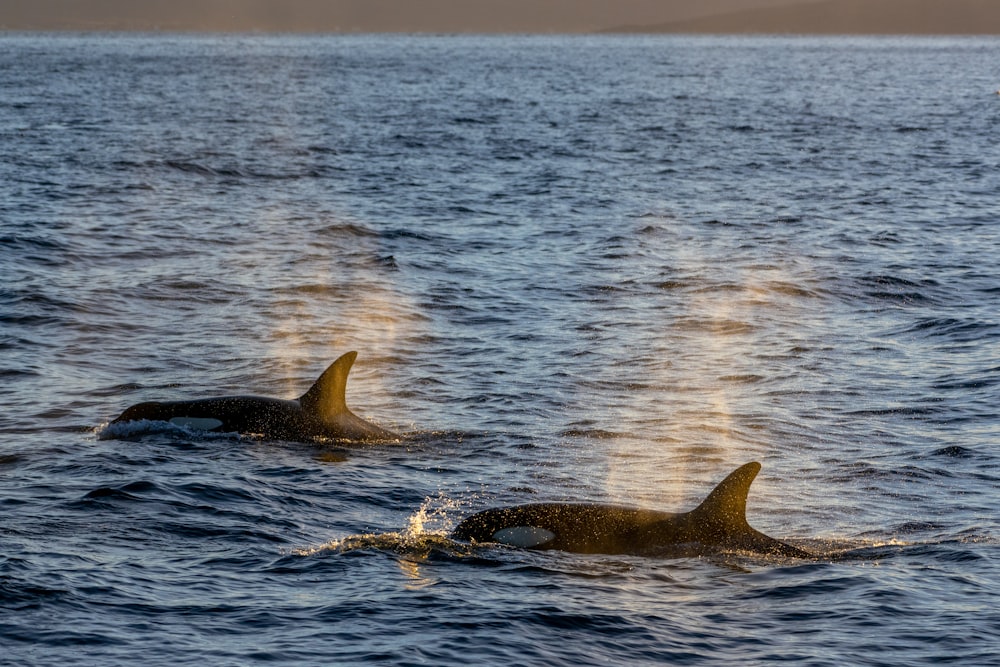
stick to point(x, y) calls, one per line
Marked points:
point(205, 169)
point(133, 430)
point(954, 329)
point(899, 290)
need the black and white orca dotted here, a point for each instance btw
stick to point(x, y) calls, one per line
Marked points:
point(717, 524)
point(320, 413)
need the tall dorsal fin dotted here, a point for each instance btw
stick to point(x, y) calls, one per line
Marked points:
point(328, 395)
point(726, 505)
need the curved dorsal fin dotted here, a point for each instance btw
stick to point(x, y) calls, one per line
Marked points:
point(328, 395)
point(726, 505)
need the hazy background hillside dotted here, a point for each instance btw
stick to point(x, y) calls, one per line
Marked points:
point(951, 17)
point(360, 15)
point(487, 16)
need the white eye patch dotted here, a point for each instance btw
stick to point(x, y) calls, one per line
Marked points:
point(524, 537)
point(197, 423)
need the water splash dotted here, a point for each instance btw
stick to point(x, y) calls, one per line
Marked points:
point(131, 430)
point(426, 530)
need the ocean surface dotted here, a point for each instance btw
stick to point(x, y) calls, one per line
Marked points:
point(574, 268)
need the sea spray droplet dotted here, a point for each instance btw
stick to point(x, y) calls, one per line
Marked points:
point(426, 529)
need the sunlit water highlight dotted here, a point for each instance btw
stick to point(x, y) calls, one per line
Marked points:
point(596, 269)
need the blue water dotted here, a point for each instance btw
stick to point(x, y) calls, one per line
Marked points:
point(608, 269)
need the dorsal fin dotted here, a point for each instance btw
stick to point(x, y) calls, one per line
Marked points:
point(328, 395)
point(726, 505)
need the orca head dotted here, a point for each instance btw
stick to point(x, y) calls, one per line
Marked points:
point(150, 410)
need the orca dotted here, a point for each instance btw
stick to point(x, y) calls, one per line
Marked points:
point(320, 413)
point(717, 524)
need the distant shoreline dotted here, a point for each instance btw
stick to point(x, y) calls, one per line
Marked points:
point(623, 32)
point(943, 18)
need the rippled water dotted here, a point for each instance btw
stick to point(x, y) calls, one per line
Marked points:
point(606, 269)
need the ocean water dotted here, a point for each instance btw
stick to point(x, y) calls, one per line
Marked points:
point(575, 268)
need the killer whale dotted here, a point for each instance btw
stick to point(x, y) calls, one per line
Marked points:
point(321, 412)
point(719, 523)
